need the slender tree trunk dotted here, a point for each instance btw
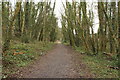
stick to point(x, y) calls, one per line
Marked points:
point(118, 52)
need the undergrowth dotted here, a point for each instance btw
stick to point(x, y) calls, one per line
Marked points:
point(100, 65)
point(21, 54)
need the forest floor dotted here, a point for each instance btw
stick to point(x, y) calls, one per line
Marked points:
point(60, 62)
point(55, 60)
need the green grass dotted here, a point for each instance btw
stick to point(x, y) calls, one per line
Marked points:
point(31, 51)
point(100, 65)
point(66, 43)
point(79, 49)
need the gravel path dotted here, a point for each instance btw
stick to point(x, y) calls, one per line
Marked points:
point(60, 62)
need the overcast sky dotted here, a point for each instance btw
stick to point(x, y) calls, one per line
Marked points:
point(59, 9)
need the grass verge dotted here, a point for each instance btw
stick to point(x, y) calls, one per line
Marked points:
point(100, 65)
point(21, 54)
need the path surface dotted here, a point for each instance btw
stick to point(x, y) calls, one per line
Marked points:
point(61, 62)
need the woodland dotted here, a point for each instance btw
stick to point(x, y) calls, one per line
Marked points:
point(30, 29)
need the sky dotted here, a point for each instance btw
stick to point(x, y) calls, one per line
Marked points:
point(59, 9)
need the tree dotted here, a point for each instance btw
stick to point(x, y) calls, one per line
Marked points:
point(28, 21)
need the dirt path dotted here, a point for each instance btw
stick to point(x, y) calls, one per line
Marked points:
point(61, 62)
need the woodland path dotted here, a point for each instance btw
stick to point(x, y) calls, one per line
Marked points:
point(60, 62)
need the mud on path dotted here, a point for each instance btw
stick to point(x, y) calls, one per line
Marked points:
point(61, 62)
